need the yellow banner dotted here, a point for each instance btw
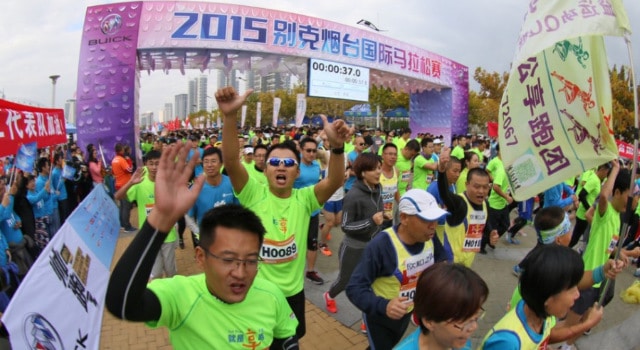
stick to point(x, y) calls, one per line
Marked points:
point(555, 116)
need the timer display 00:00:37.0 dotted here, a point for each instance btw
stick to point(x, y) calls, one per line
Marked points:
point(334, 68)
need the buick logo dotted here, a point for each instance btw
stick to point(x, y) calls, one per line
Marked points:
point(111, 24)
point(40, 334)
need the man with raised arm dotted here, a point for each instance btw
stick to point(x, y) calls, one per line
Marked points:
point(225, 307)
point(285, 211)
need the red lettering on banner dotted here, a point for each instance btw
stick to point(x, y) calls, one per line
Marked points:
point(25, 124)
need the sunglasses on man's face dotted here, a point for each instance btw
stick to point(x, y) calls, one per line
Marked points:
point(288, 162)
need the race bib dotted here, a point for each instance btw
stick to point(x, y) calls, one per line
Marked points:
point(148, 208)
point(278, 252)
point(413, 266)
point(473, 237)
point(406, 176)
point(429, 179)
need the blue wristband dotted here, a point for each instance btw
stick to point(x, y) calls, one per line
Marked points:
point(598, 274)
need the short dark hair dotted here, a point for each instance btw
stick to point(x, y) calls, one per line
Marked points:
point(477, 172)
point(623, 181)
point(413, 145)
point(118, 147)
point(213, 150)
point(389, 145)
point(365, 162)
point(425, 141)
point(448, 292)
point(287, 145)
point(41, 163)
point(306, 140)
point(153, 154)
point(260, 146)
point(546, 271)
point(230, 216)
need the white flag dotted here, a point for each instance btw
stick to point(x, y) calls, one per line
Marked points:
point(276, 110)
point(301, 108)
point(243, 116)
point(258, 114)
point(219, 122)
point(61, 300)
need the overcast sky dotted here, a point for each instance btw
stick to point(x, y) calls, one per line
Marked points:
point(41, 38)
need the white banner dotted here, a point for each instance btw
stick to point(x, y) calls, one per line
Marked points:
point(60, 302)
point(258, 114)
point(301, 108)
point(276, 110)
point(208, 123)
point(219, 122)
point(243, 116)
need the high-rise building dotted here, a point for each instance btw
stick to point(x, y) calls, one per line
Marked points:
point(70, 111)
point(168, 112)
point(249, 78)
point(202, 93)
point(181, 107)
point(146, 119)
point(221, 79)
point(192, 103)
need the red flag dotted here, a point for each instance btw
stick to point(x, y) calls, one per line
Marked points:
point(492, 129)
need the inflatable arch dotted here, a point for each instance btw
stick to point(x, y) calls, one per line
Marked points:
point(121, 40)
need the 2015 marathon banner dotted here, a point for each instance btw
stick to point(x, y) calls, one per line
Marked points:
point(60, 302)
point(555, 114)
point(22, 124)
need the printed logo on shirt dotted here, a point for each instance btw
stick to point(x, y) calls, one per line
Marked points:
point(249, 339)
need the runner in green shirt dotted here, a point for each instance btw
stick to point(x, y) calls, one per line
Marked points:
point(424, 166)
point(227, 306)
point(285, 212)
point(404, 165)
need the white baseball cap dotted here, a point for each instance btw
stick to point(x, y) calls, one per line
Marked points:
point(437, 142)
point(421, 203)
point(248, 150)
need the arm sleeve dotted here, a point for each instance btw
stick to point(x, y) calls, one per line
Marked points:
point(455, 204)
point(583, 199)
point(290, 343)
point(127, 295)
point(377, 257)
point(34, 198)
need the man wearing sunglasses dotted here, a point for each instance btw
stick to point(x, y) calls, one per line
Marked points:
point(285, 211)
point(217, 309)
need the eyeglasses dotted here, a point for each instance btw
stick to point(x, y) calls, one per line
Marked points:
point(288, 162)
point(234, 263)
point(311, 150)
point(361, 144)
point(466, 327)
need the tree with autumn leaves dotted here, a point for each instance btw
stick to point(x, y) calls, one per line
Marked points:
point(485, 104)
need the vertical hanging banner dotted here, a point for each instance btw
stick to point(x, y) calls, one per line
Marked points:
point(301, 108)
point(555, 114)
point(60, 302)
point(243, 116)
point(219, 122)
point(258, 114)
point(276, 111)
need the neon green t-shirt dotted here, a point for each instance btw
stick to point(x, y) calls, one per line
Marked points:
point(592, 185)
point(458, 152)
point(400, 142)
point(404, 168)
point(493, 165)
point(286, 220)
point(461, 184)
point(496, 201)
point(603, 238)
point(257, 175)
point(422, 177)
point(143, 194)
point(198, 320)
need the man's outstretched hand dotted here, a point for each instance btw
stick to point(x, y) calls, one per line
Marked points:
point(173, 197)
point(229, 102)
